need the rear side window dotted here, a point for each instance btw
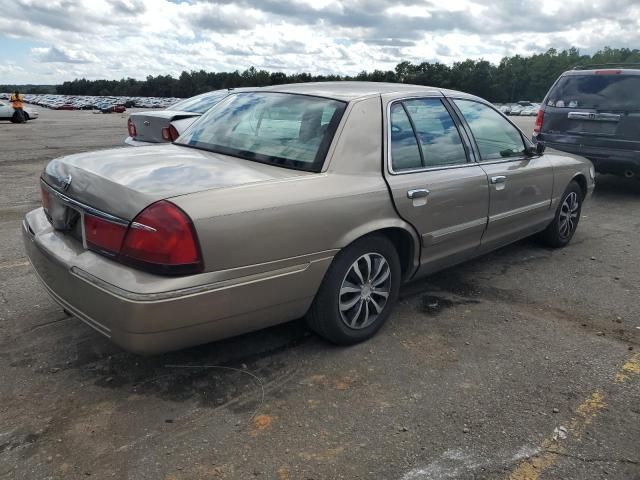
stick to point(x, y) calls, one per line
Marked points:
point(496, 138)
point(610, 91)
point(423, 134)
point(438, 135)
point(405, 154)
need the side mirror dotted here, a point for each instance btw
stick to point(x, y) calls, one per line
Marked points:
point(537, 149)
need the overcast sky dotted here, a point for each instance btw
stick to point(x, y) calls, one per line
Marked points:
point(49, 41)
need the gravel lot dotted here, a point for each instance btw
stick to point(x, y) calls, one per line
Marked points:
point(522, 364)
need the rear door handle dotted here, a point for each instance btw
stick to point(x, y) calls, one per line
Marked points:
point(417, 193)
point(498, 179)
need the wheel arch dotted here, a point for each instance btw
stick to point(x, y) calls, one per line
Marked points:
point(402, 236)
point(581, 180)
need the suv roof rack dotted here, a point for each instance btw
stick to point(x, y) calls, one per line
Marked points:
point(600, 65)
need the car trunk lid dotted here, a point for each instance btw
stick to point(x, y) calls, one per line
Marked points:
point(123, 181)
point(149, 125)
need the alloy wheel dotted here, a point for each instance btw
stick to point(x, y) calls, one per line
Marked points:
point(569, 215)
point(365, 290)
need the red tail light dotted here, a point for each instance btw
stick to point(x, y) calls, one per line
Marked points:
point(103, 235)
point(170, 133)
point(539, 119)
point(607, 72)
point(162, 239)
point(132, 128)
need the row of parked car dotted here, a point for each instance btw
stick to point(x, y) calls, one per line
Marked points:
point(522, 108)
point(106, 104)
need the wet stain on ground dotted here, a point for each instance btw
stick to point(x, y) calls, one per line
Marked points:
point(19, 442)
point(230, 373)
point(435, 304)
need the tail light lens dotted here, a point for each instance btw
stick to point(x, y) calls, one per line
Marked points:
point(103, 235)
point(608, 72)
point(132, 128)
point(162, 239)
point(170, 133)
point(539, 119)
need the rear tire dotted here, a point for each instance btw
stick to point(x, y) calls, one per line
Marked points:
point(561, 230)
point(358, 292)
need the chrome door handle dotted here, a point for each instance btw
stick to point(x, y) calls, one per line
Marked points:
point(498, 179)
point(417, 193)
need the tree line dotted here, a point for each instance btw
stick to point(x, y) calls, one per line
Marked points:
point(514, 78)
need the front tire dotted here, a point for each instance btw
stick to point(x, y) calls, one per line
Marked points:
point(358, 292)
point(561, 230)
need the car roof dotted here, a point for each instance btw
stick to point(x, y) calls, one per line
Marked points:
point(623, 71)
point(348, 91)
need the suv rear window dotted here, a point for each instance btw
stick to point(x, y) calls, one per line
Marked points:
point(612, 91)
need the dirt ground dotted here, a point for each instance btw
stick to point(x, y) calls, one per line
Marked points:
point(520, 365)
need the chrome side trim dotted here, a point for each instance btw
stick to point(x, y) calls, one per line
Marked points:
point(518, 211)
point(70, 202)
point(438, 236)
point(190, 291)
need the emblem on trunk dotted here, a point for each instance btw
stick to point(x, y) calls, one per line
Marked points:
point(66, 183)
point(147, 123)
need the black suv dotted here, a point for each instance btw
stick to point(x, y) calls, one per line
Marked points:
point(595, 113)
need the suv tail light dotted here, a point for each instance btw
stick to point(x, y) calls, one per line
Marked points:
point(607, 72)
point(162, 239)
point(170, 133)
point(539, 119)
point(132, 128)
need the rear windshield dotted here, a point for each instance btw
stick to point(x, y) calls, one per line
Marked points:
point(613, 91)
point(288, 130)
point(201, 103)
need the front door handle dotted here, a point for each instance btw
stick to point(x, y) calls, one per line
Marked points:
point(498, 179)
point(417, 193)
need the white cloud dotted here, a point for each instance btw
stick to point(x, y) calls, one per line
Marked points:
point(62, 55)
point(112, 39)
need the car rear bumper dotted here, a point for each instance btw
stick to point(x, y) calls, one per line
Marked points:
point(605, 160)
point(163, 318)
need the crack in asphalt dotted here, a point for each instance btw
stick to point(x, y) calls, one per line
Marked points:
point(593, 459)
point(48, 324)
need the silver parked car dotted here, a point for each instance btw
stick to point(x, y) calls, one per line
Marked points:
point(150, 127)
point(305, 200)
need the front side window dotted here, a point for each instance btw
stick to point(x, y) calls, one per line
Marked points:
point(496, 138)
point(282, 129)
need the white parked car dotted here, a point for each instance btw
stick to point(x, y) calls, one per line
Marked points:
point(6, 112)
